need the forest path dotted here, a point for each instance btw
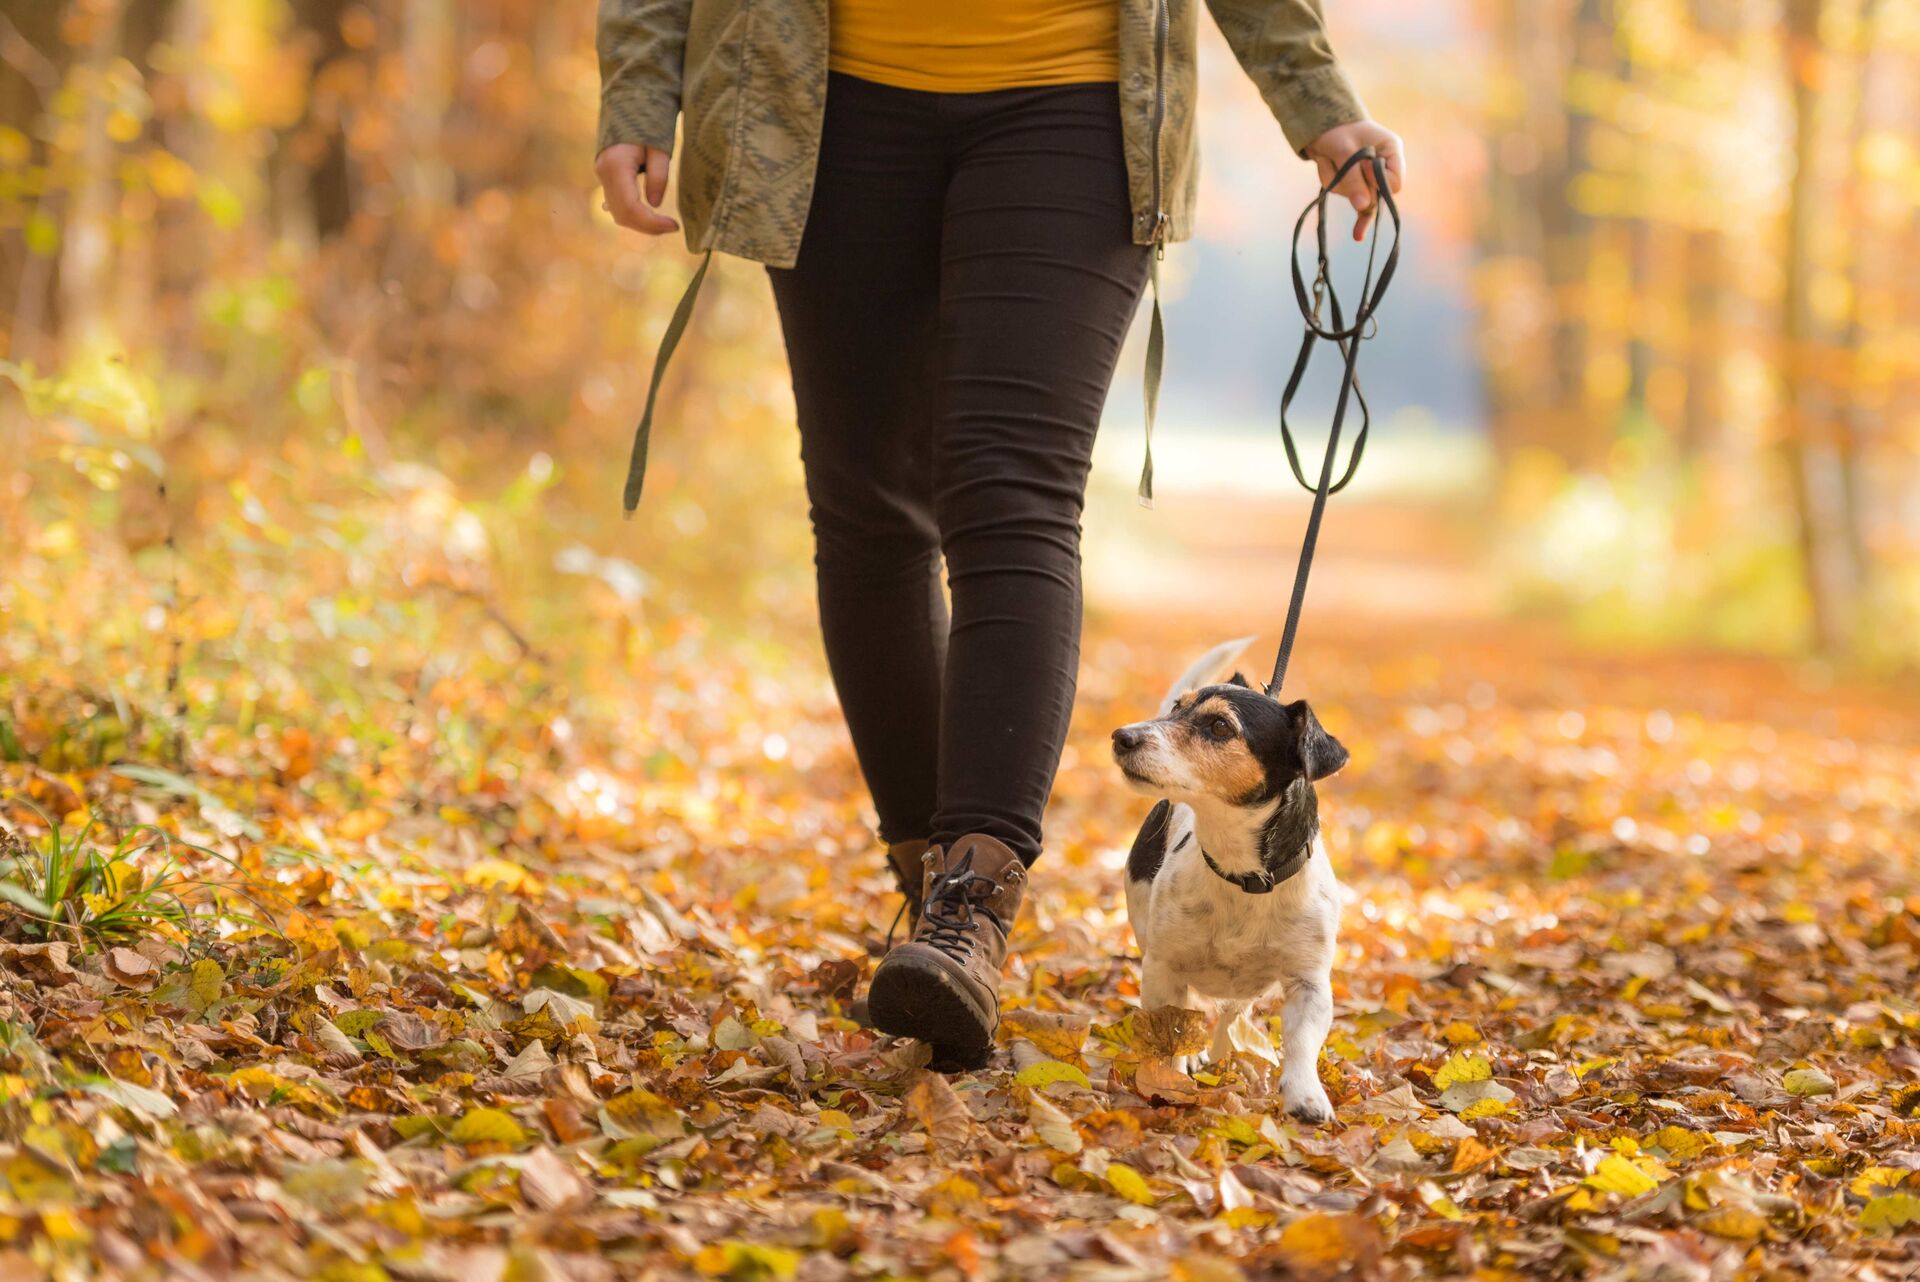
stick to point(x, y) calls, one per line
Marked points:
point(1626, 974)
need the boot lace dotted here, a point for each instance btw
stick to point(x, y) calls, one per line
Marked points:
point(955, 901)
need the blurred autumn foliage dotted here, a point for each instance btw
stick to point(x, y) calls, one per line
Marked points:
point(409, 870)
point(1693, 229)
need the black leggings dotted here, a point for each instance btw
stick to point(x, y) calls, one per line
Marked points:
point(963, 288)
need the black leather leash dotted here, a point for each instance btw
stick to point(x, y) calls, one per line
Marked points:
point(1347, 339)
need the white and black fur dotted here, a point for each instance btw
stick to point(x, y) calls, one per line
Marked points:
point(1234, 770)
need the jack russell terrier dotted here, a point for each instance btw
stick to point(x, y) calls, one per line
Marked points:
point(1229, 888)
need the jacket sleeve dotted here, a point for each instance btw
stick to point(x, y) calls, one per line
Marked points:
point(1283, 46)
point(642, 45)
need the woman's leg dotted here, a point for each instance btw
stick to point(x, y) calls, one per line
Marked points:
point(1039, 281)
point(858, 311)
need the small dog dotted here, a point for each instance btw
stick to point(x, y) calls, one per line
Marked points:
point(1228, 885)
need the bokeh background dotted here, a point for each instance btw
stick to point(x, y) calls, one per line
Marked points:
point(334, 275)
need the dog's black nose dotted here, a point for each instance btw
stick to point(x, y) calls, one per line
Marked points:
point(1127, 738)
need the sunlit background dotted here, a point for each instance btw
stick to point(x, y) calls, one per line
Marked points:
point(1648, 369)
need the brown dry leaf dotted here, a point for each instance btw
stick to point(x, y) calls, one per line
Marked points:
point(406, 1031)
point(1158, 1079)
point(549, 1182)
point(939, 1110)
point(1169, 1031)
point(44, 963)
point(127, 967)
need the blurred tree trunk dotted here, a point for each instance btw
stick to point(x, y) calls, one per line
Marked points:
point(1706, 341)
point(135, 266)
point(87, 242)
point(33, 62)
point(430, 58)
point(1506, 233)
point(313, 178)
point(1570, 232)
point(1810, 463)
point(1852, 421)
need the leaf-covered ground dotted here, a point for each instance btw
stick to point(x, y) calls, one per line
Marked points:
point(1627, 988)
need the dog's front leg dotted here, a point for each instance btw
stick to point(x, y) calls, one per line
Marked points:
point(1308, 1015)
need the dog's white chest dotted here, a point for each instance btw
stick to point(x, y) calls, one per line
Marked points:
point(1224, 943)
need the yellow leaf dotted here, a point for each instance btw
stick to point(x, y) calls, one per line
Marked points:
point(1129, 1183)
point(1439, 1203)
point(1626, 1176)
point(1058, 1036)
point(256, 1082)
point(1046, 1072)
point(1320, 1243)
point(644, 1115)
point(507, 876)
point(1492, 1106)
point(1807, 1081)
point(1460, 1034)
point(956, 1197)
point(203, 990)
point(1877, 1179)
point(487, 1126)
point(1678, 1143)
point(1462, 1068)
point(1891, 1213)
point(1736, 1222)
point(746, 1261)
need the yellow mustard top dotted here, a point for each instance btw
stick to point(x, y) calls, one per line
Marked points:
point(966, 46)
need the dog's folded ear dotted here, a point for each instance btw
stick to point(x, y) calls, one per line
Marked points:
point(1204, 670)
point(1320, 753)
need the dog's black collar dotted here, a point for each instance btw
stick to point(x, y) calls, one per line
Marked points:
point(1254, 883)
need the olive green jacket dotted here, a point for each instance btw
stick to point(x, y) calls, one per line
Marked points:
point(750, 78)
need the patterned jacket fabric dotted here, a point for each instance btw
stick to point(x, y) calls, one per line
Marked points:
point(750, 78)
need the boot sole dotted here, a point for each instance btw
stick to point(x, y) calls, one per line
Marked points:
point(912, 997)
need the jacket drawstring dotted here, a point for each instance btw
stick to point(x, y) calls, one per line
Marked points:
point(637, 465)
point(1156, 352)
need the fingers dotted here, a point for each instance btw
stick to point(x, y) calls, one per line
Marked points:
point(1392, 159)
point(620, 168)
point(658, 163)
point(1393, 154)
point(1357, 187)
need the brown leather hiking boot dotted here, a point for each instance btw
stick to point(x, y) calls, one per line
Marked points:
point(943, 985)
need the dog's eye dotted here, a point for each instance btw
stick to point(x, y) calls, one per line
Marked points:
point(1219, 728)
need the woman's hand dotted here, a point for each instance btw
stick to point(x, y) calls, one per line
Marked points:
point(621, 167)
point(1331, 149)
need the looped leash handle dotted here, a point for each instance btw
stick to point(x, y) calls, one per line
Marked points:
point(1346, 340)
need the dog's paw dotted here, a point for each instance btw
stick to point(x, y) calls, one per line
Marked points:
point(1308, 1104)
point(1186, 1064)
